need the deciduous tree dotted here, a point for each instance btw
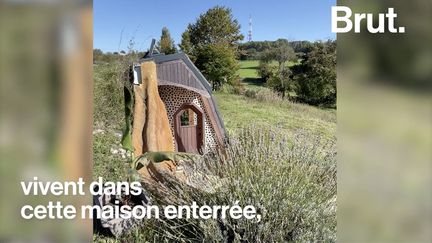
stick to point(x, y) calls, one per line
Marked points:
point(212, 43)
point(315, 76)
point(274, 67)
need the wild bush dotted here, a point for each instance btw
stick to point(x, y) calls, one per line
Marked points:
point(315, 76)
point(233, 89)
point(211, 42)
point(108, 109)
point(264, 95)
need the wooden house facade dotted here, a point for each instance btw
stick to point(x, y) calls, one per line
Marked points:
point(196, 124)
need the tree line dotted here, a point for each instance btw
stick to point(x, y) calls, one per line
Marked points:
point(252, 50)
point(308, 76)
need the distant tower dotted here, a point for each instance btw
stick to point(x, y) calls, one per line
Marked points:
point(250, 29)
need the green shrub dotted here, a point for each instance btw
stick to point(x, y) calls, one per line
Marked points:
point(266, 70)
point(218, 64)
point(237, 89)
point(315, 76)
point(108, 109)
point(211, 43)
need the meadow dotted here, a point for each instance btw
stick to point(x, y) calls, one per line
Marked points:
point(266, 109)
point(281, 158)
point(249, 73)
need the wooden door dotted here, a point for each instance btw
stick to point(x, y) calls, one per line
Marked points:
point(189, 125)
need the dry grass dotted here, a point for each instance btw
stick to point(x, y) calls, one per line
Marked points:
point(292, 182)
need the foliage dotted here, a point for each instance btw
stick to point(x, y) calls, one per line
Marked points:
point(311, 81)
point(166, 43)
point(215, 34)
point(186, 45)
point(266, 70)
point(100, 57)
point(113, 78)
point(301, 46)
point(254, 49)
point(97, 54)
point(281, 81)
point(217, 25)
point(217, 62)
point(283, 53)
point(316, 75)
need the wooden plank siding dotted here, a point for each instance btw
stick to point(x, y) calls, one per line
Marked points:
point(177, 72)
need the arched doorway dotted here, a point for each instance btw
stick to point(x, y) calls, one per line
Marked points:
point(189, 128)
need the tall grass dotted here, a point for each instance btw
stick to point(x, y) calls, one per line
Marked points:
point(290, 179)
point(265, 95)
point(291, 182)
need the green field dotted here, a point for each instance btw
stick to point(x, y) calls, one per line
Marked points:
point(248, 69)
point(248, 72)
point(239, 112)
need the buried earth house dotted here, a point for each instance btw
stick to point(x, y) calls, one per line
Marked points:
point(170, 117)
point(174, 109)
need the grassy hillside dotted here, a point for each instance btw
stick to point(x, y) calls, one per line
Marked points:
point(239, 111)
point(249, 68)
point(281, 159)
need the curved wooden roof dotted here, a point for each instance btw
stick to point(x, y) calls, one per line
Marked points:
point(178, 70)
